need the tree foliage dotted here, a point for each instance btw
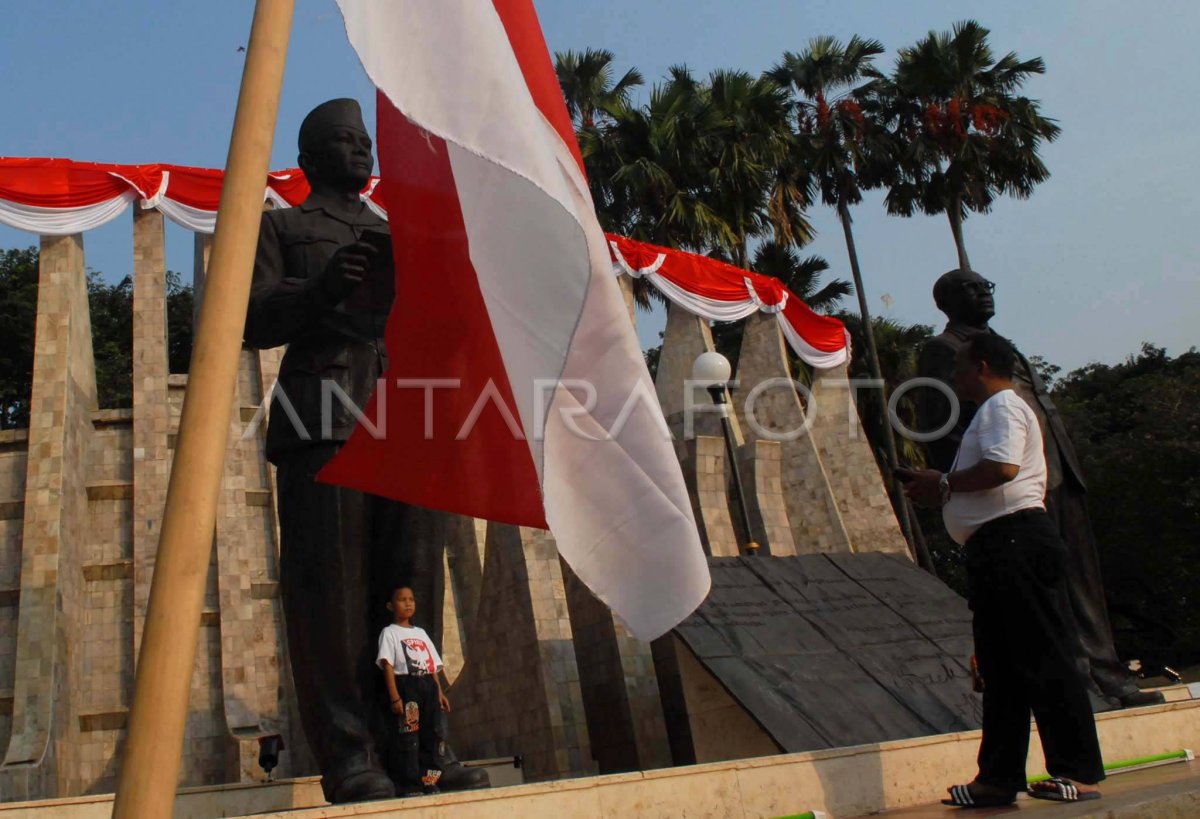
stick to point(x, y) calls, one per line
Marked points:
point(1136, 426)
point(18, 307)
point(110, 306)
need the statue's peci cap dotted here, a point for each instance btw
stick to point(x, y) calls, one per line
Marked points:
point(344, 112)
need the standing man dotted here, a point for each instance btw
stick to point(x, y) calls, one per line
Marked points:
point(323, 285)
point(966, 299)
point(1026, 640)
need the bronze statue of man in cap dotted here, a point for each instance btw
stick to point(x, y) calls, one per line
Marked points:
point(966, 299)
point(323, 285)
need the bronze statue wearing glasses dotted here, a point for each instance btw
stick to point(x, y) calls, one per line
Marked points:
point(966, 299)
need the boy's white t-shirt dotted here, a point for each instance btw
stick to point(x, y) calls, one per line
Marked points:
point(1006, 431)
point(409, 650)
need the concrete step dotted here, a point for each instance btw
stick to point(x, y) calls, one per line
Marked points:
point(841, 782)
point(1165, 792)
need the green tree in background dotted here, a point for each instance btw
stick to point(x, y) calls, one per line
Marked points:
point(1136, 426)
point(111, 311)
point(18, 308)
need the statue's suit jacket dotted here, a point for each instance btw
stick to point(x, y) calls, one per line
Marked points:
point(331, 345)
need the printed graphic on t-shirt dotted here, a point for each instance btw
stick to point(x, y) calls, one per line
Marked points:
point(418, 657)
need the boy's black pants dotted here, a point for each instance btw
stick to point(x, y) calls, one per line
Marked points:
point(1027, 645)
point(415, 753)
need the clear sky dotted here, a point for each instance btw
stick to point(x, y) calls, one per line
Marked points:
point(1104, 256)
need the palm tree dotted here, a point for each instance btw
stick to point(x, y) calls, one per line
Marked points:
point(752, 181)
point(587, 83)
point(844, 153)
point(964, 134)
point(801, 276)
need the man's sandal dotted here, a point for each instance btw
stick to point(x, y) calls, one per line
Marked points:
point(961, 797)
point(1057, 789)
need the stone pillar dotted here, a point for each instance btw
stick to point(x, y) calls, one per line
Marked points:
point(708, 476)
point(151, 411)
point(626, 284)
point(619, 686)
point(253, 675)
point(42, 753)
point(465, 548)
point(851, 468)
point(704, 473)
point(202, 247)
point(761, 465)
point(685, 338)
point(812, 505)
point(519, 693)
point(13, 467)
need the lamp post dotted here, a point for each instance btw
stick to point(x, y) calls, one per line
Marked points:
point(712, 370)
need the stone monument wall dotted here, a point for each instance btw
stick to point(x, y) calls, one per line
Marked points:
point(538, 666)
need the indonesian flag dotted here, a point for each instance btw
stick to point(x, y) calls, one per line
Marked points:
point(516, 390)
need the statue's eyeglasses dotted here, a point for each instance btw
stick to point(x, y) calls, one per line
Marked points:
point(974, 288)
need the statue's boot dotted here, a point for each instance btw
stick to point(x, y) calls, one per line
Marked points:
point(1137, 698)
point(364, 786)
point(457, 776)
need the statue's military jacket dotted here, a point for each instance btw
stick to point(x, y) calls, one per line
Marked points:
point(335, 351)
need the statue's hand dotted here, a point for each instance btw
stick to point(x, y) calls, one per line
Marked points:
point(346, 269)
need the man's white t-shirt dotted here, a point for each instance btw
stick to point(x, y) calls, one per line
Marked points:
point(409, 650)
point(1006, 431)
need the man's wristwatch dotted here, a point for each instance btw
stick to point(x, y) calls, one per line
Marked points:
point(944, 487)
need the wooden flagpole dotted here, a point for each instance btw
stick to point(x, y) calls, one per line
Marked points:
point(154, 745)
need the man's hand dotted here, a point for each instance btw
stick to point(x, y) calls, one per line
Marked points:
point(346, 269)
point(443, 702)
point(922, 485)
point(398, 707)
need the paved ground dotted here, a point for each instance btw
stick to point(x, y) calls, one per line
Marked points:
point(1166, 792)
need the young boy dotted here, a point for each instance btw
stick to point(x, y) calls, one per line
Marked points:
point(410, 666)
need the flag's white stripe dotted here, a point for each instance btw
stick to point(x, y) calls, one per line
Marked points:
point(530, 256)
point(631, 537)
point(448, 66)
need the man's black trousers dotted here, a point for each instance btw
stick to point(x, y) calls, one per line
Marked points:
point(1028, 649)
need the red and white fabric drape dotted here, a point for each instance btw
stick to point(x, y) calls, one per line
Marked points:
point(57, 197)
point(721, 292)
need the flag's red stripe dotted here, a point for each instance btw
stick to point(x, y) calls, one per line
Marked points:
point(525, 36)
point(439, 328)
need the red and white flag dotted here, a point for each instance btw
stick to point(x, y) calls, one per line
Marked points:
point(516, 389)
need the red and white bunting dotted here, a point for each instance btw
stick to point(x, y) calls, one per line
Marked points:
point(58, 197)
point(721, 292)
